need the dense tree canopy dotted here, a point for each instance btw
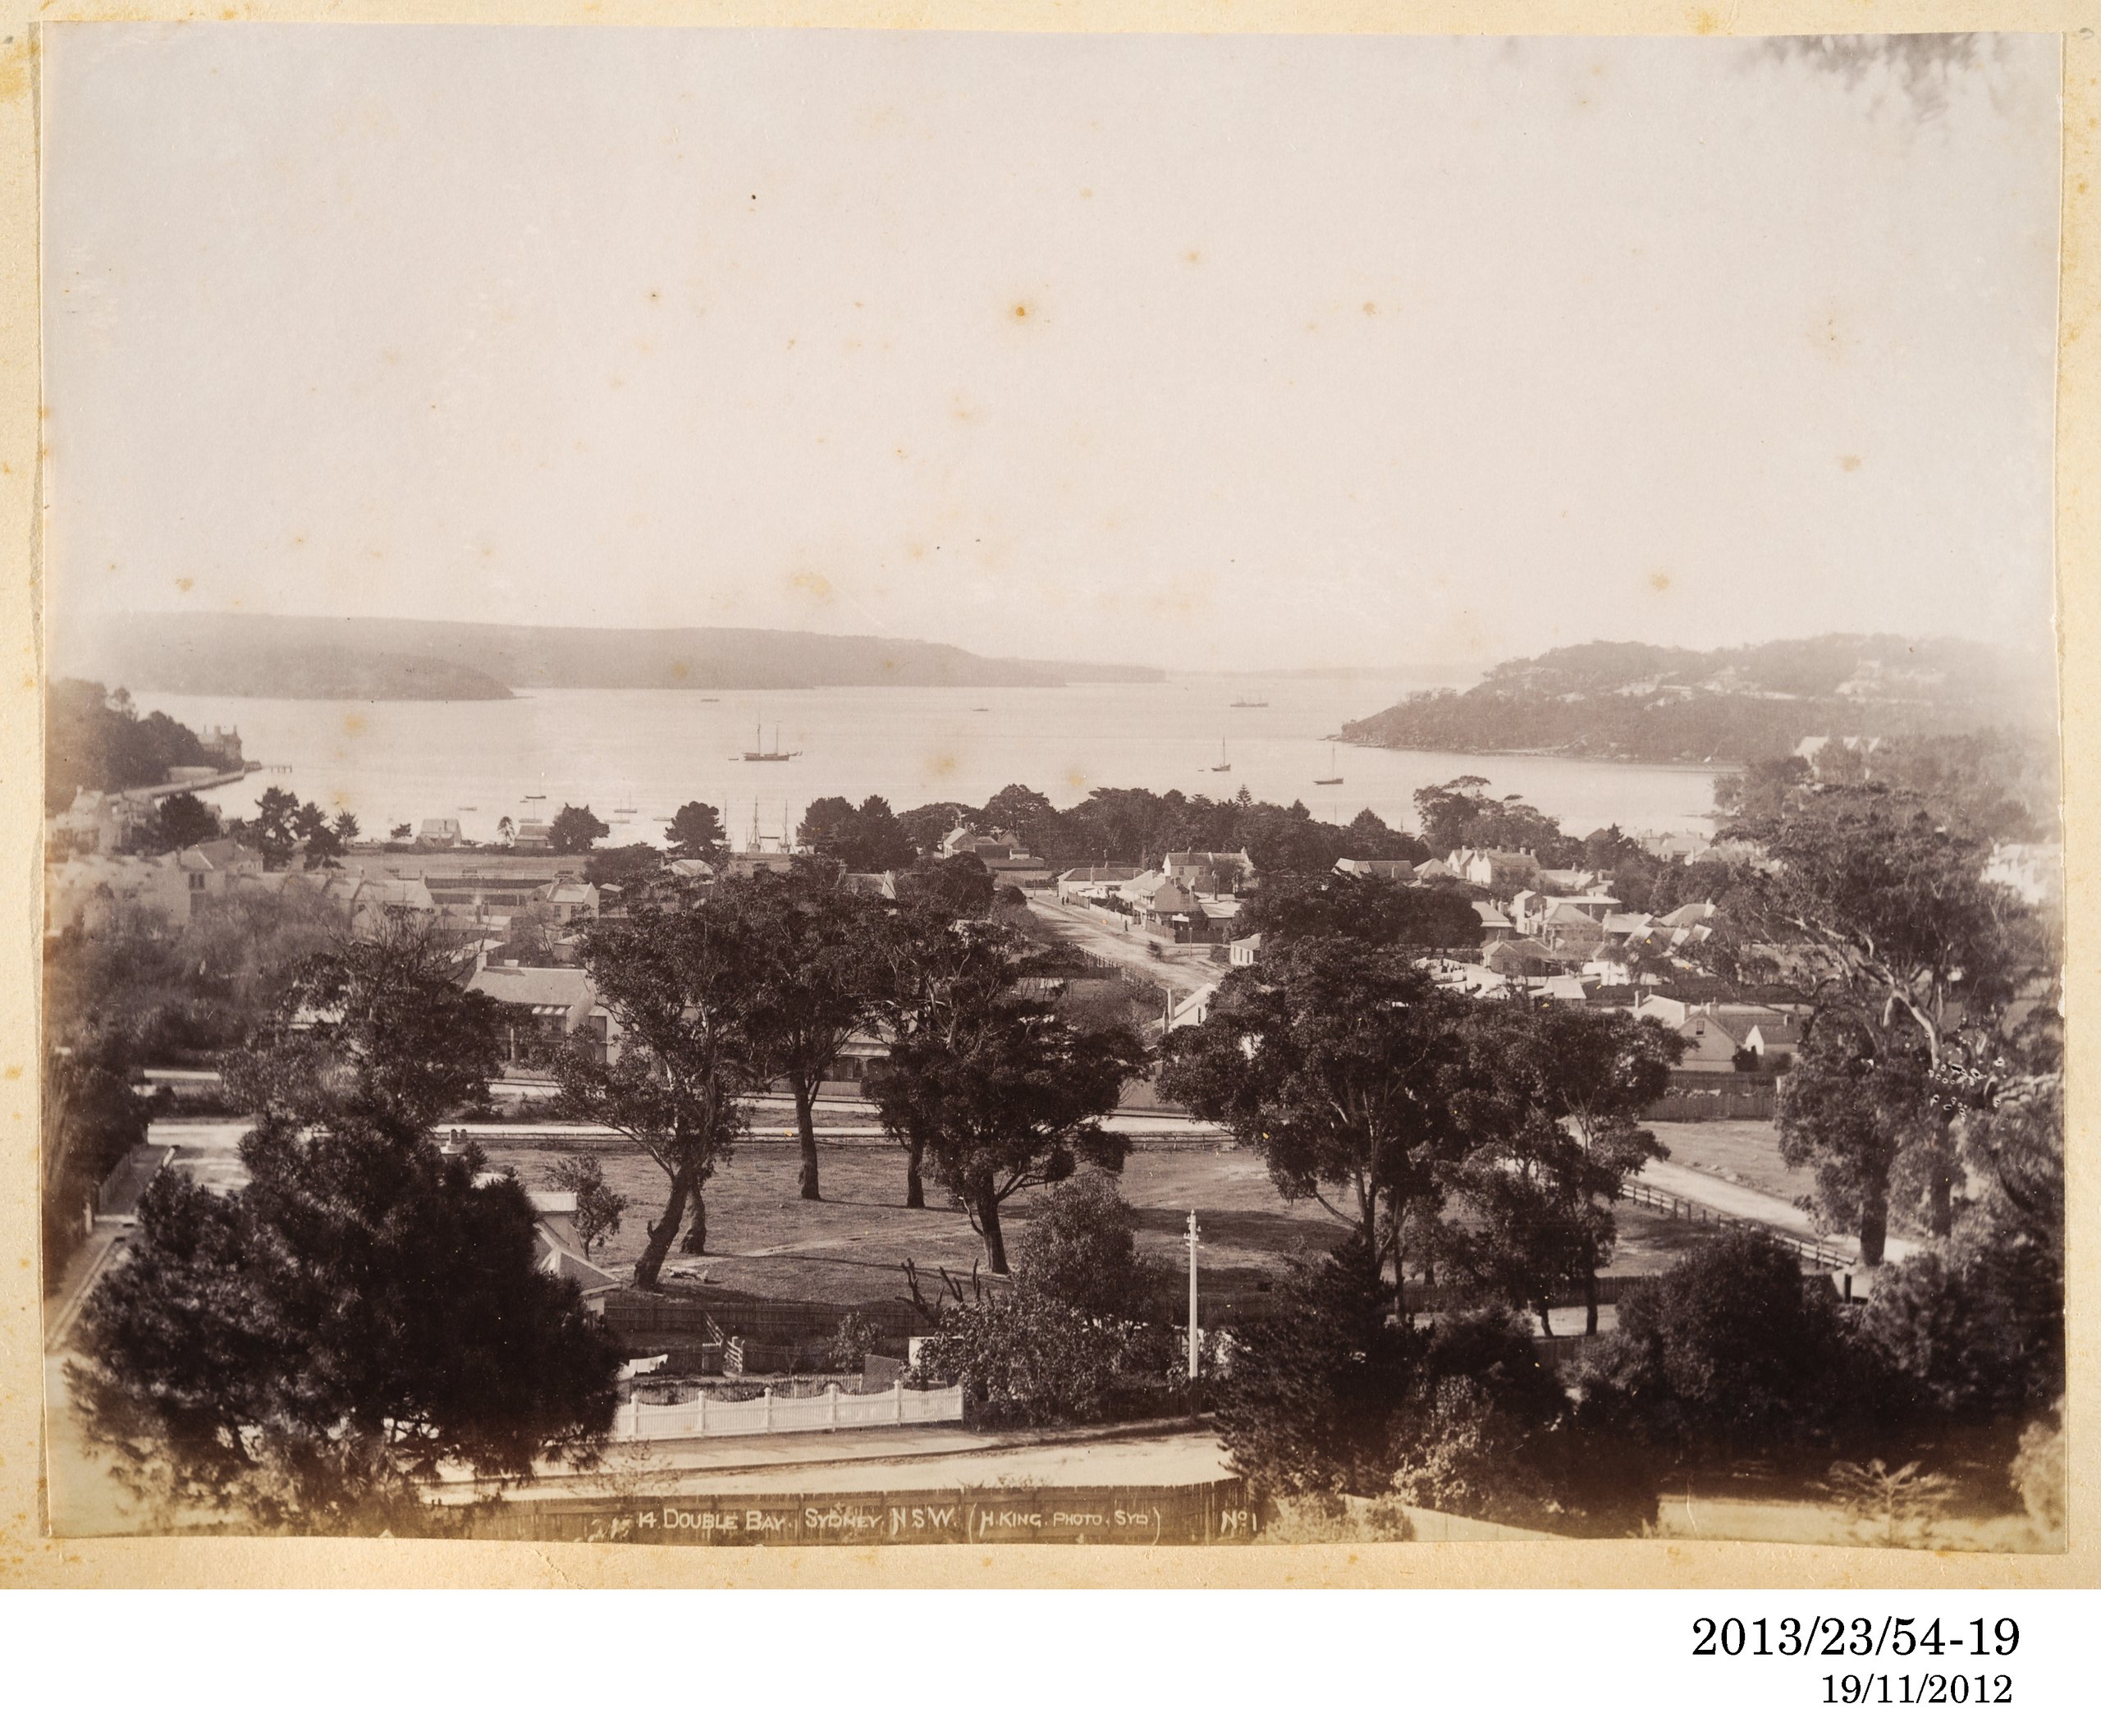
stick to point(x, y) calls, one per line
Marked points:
point(1329, 903)
point(299, 1354)
point(682, 973)
point(94, 740)
point(182, 820)
point(990, 1087)
point(868, 840)
point(818, 982)
point(1462, 814)
point(1336, 1064)
point(284, 828)
point(696, 830)
point(383, 1017)
point(1549, 1102)
point(575, 829)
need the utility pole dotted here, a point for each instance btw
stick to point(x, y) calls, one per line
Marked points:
point(1193, 1238)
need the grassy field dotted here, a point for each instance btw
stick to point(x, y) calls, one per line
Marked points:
point(1746, 1153)
point(764, 1240)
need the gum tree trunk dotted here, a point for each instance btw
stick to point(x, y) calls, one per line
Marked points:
point(806, 1132)
point(1874, 1225)
point(649, 1267)
point(988, 1227)
point(915, 1186)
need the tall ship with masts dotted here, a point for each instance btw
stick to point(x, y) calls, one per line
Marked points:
point(758, 750)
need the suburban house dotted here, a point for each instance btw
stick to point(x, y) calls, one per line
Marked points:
point(91, 890)
point(1002, 852)
point(1375, 870)
point(558, 1251)
point(694, 869)
point(1673, 846)
point(96, 824)
point(534, 834)
point(1207, 871)
point(1492, 868)
point(1244, 951)
point(1522, 959)
point(1468, 978)
point(1174, 913)
point(1594, 902)
point(1495, 925)
point(1094, 886)
point(221, 745)
point(882, 886)
point(211, 867)
point(573, 901)
point(560, 1254)
point(438, 834)
point(374, 899)
point(1715, 1031)
point(545, 1003)
point(1569, 882)
point(1612, 964)
point(1771, 1034)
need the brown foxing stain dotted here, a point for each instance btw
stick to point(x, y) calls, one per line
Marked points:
point(1021, 310)
point(340, 800)
point(1193, 258)
point(1076, 779)
point(185, 585)
point(1849, 462)
point(353, 724)
point(1659, 583)
point(942, 765)
point(14, 70)
point(1706, 23)
point(1370, 307)
point(678, 670)
point(14, 1073)
point(816, 584)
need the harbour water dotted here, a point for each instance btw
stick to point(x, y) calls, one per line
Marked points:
point(633, 755)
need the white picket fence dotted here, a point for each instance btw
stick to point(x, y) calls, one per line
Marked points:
point(767, 1415)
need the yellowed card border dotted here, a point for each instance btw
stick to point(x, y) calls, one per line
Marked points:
point(29, 1558)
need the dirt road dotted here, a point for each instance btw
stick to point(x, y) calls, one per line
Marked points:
point(1184, 975)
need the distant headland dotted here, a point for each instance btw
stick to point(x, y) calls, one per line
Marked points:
point(320, 657)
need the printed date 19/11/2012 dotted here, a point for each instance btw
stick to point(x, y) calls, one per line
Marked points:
point(1861, 1637)
point(1933, 1689)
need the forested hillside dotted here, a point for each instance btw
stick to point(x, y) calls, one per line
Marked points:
point(1654, 703)
point(94, 740)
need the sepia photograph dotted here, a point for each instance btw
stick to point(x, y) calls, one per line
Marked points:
point(863, 788)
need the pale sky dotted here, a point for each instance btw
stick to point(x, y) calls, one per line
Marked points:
point(1227, 352)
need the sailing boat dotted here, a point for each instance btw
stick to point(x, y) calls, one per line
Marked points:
point(1331, 778)
point(758, 750)
point(630, 807)
point(1250, 705)
point(1227, 764)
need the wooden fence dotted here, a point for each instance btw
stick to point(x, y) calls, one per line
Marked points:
point(1824, 1255)
point(1714, 1097)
